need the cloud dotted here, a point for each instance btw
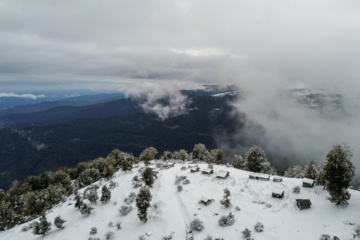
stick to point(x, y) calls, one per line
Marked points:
point(25, 95)
point(164, 100)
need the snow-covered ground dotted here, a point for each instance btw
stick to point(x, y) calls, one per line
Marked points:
point(281, 217)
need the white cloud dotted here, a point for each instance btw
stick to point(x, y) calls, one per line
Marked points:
point(25, 95)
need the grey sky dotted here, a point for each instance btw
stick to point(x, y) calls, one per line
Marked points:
point(106, 44)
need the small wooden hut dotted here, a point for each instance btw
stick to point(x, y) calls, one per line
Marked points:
point(309, 183)
point(303, 203)
point(277, 179)
point(207, 171)
point(259, 176)
point(205, 201)
point(278, 193)
point(194, 169)
point(223, 174)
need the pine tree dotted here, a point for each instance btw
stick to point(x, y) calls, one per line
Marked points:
point(43, 226)
point(148, 177)
point(86, 209)
point(338, 173)
point(201, 153)
point(6, 217)
point(143, 203)
point(78, 201)
point(58, 222)
point(238, 162)
point(105, 194)
point(226, 200)
point(126, 165)
point(148, 154)
point(312, 170)
point(256, 160)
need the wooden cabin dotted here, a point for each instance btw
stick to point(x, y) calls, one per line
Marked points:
point(277, 179)
point(205, 201)
point(194, 169)
point(303, 203)
point(278, 193)
point(223, 174)
point(259, 176)
point(309, 183)
point(207, 171)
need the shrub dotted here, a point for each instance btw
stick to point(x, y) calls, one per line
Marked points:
point(179, 188)
point(247, 234)
point(142, 237)
point(43, 226)
point(179, 179)
point(237, 208)
point(131, 198)
point(183, 168)
point(105, 194)
point(259, 227)
point(93, 231)
point(186, 181)
point(125, 209)
point(118, 225)
point(325, 237)
point(196, 225)
point(296, 189)
point(226, 200)
point(85, 209)
point(228, 220)
point(109, 235)
point(169, 237)
point(58, 222)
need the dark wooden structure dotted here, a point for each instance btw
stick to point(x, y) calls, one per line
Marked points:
point(278, 194)
point(259, 176)
point(207, 171)
point(303, 203)
point(223, 174)
point(309, 183)
point(194, 169)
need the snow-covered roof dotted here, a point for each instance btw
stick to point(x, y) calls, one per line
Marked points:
point(194, 168)
point(277, 191)
point(309, 181)
point(208, 170)
point(260, 175)
point(222, 173)
point(277, 177)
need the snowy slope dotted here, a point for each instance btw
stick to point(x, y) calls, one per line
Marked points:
point(280, 217)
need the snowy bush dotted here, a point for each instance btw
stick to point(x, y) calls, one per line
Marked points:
point(110, 224)
point(58, 222)
point(183, 168)
point(93, 231)
point(118, 225)
point(179, 179)
point(259, 227)
point(196, 225)
point(131, 198)
point(109, 235)
point(237, 208)
point(228, 220)
point(112, 185)
point(179, 188)
point(28, 227)
point(85, 209)
point(296, 189)
point(356, 234)
point(325, 237)
point(125, 209)
point(208, 237)
point(186, 181)
point(247, 234)
point(211, 165)
point(94, 238)
point(142, 237)
point(169, 237)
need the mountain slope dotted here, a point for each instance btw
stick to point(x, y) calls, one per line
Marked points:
point(280, 217)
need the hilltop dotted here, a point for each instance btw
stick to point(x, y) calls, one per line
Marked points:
point(172, 210)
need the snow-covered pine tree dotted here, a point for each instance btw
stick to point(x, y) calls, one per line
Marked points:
point(105, 194)
point(58, 222)
point(78, 201)
point(43, 226)
point(92, 195)
point(126, 165)
point(6, 217)
point(200, 153)
point(238, 162)
point(338, 173)
point(86, 209)
point(167, 155)
point(183, 154)
point(247, 234)
point(143, 203)
point(312, 170)
point(226, 200)
point(256, 161)
point(148, 177)
point(148, 154)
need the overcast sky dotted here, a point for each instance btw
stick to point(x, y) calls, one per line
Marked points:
point(109, 44)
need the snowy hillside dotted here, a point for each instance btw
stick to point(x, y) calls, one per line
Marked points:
point(175, 210)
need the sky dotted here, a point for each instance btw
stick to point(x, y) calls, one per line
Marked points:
point(114, 44)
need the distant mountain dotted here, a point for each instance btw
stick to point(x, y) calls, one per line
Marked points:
point(67, 113)
point(71, 101)
point(32, 150)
